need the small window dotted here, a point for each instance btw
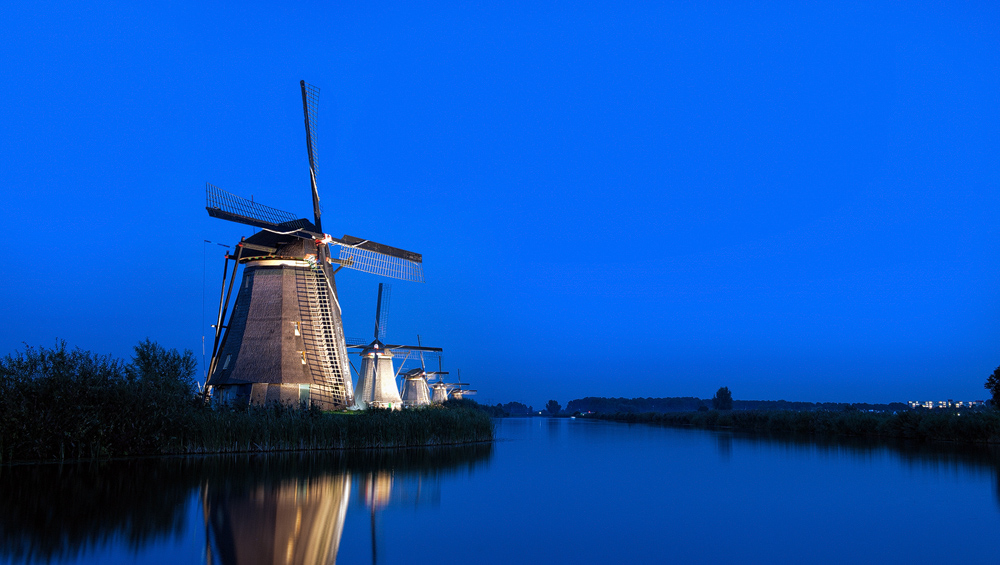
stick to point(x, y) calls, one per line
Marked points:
point(304, 395)
point(296, 324)
point(226, 364)
point(246, 282)
point(303, 353)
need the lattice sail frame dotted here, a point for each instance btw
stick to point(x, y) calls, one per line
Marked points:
point(312, 107)
point(242, 210)
point(384, 318)
point(379, 264)
point(403, 355)
point(410, 358)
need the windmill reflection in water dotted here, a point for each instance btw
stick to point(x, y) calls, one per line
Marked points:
point(299, 519)
point(296, 522)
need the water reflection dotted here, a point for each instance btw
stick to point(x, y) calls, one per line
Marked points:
point(58, 512)
point(940, 457)
point(295, 520)
point(256, 509)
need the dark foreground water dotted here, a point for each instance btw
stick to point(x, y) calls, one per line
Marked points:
point(549, 491)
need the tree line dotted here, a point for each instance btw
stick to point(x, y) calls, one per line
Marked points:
point(722, 401)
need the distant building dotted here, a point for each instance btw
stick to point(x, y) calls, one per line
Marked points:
point(936, 404)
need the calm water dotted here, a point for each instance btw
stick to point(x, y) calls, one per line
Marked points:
point(549, 491)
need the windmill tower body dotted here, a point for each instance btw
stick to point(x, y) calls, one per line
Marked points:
point(439, 393)
point(377, 381)
point(284, 342)
point(416, 393)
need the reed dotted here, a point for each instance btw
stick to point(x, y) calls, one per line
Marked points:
point(60, 404)
point(976, 427)
point(276, 428)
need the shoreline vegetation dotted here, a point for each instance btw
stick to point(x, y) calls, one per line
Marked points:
point(59, 404)
point(954, 426)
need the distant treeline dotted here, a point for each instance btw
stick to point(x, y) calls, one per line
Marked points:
point(920, 425)
point(602, 405)
point(58, 404)
point(502, 410)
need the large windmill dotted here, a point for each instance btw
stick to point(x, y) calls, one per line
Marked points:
point(284, 341)
point(377, 377)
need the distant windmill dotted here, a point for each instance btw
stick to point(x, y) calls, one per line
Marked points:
point(439, 390)
point(416, 393)
point(284, 341)
point(377, 377)
point(458, 393)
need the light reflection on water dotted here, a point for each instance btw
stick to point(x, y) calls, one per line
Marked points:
point(555, 490)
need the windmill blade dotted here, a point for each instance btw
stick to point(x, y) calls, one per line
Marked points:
point(421, 354)
point(383, 319)
point(356, 342)
point(227, 206)
point(412, 354)
point(405, 356)
point(378, 259)
point(310, 109)
point(378, 311)
point(414, 349)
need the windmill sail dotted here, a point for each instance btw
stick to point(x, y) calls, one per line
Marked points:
point(310, 108)
point(377, 259)
point(227, 206)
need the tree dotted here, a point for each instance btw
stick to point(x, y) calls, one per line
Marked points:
point(723, 399)
point(553, 407)
point(993, 385)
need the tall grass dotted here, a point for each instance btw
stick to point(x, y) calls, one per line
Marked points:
point(275, 428)
point(964, 427)
point(58, 404)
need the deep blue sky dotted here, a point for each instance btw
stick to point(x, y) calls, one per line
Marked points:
point(797, 201)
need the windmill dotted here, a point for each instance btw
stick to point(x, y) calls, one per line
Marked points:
point(439, 389)
point(284, 341)
point(377, 377)
point(416, 393)
point(458, 393)
point(439, 392)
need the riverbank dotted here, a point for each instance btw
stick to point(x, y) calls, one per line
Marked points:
point(276, 429)
point(270, 429)
point(63, 405)
point(916, 425)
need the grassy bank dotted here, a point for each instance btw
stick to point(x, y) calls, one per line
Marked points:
point(60, 404)
point(277, 429)
point(964, 427)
